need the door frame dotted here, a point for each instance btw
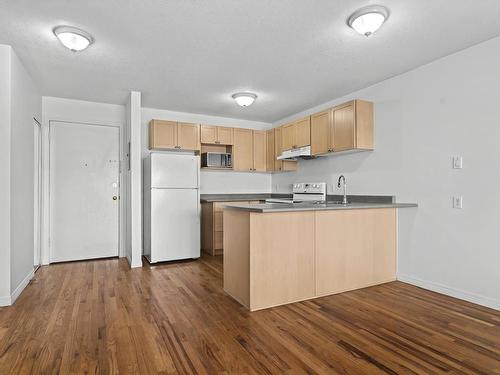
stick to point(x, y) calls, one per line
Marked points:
point(46, 244)
point(37, 196)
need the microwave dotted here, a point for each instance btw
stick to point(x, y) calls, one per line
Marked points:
point(216, 160)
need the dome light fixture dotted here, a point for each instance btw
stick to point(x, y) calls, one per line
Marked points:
point(369, 19)
point(72, 38)
point(244, 99)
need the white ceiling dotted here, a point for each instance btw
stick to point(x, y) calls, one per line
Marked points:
point(191, 55)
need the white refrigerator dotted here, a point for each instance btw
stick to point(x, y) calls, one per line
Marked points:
point(171, 206)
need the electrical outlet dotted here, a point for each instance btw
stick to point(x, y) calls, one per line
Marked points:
point(457, 202)
point(457, 162)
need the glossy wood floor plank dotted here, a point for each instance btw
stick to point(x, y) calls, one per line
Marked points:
point(100, 317)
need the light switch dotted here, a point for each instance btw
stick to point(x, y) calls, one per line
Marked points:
point(457, 162)
point(457, 202)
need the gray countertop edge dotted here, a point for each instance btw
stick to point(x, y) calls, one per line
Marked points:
point(210, 198)
point(277, 207)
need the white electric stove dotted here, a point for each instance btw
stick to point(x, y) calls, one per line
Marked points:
point(312, 192)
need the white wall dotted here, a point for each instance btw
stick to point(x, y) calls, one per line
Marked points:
point(25, 105)
point(214, 182)
point(423, 118)
point(5, 175)
point(68, 110)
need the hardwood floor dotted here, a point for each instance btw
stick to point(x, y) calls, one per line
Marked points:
point(101, 317)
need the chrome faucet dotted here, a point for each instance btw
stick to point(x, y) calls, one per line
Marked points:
point(342, 178)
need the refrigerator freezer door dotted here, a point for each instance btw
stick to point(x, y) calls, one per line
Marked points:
point(178, 171)
point(175, 224)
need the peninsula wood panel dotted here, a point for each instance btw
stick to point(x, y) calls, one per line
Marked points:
point(237, 257)
point(354, 249)
point(243, 149)
point(259, 151)
point(281, 264)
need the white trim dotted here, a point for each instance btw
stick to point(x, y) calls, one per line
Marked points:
point(5, 301)
point(9, 300)
point(452, 292)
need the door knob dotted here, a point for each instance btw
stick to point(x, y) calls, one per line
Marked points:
point(115, 197)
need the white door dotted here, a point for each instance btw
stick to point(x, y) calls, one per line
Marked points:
point(175, 224)
point(84, 191)
point(37, 192)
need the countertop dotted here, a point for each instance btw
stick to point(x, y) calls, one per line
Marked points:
point(208, 198)
point(286, 207)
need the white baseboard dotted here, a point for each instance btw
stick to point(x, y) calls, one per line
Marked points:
point(9, 300)
point(5, 301)
point(452, 292)
point(17, 292)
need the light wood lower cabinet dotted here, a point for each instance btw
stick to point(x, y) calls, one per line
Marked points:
point(276, 258)
point(212, 226)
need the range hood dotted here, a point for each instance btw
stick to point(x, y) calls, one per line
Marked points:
point(295, 153)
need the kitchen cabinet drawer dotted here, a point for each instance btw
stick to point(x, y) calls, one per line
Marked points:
point(218, 221)
point(218, 240)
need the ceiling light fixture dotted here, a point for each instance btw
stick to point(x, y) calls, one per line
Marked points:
point(369, 19)
point(244, 99)
point(72, 38)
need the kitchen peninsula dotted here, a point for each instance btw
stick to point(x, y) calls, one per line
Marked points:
point(276, 254)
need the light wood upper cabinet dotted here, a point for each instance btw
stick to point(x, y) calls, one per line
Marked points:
point(249, 150)
point(162, 134)
point(348, 126)
point(242, 149)
point(281, 165)
point(208, 134)
point(288, 136)
point(216, 135)
point(320, 132)
point(303, 132)
point(296, 134)
point(224, 135)
point(259, 151)
point(271, 157)
point(174, 135)
point(344, 127)
point(188, 136)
